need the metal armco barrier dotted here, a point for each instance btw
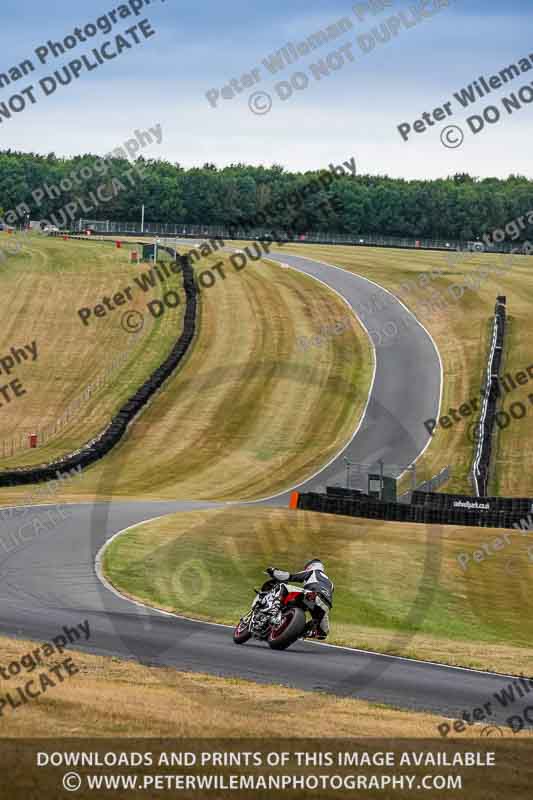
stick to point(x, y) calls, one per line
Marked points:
point(483, 450)
point(113, 433)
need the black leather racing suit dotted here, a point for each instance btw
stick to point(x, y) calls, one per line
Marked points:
point(314, 580)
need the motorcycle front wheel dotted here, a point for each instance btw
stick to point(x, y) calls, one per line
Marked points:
point(288, 631)
point(241, 633)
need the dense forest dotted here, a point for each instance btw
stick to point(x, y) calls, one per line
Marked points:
point(458, 207)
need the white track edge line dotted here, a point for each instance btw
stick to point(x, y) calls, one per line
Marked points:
point(361, 420)
point(98, 569)
point(101, 577)
point(99, 555)
point(388, 291)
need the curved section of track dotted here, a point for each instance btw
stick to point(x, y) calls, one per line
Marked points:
point(407, 384)
point(50, 581)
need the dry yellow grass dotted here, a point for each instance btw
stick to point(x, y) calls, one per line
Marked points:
point(249, 412)
point(460, 330)
point(42, 290)
point(104, 699)
point(110, 697)
point(111, 706)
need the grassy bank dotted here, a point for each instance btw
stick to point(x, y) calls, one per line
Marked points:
point(103, 699)
point(109, 700)
point(253, 320)
point(399, 588)
point(44, 286)
point(422, 280)
point(247, 414)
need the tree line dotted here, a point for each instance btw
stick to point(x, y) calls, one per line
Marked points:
point(457, 207)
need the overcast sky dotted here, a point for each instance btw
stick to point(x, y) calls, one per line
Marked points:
point(200, 46)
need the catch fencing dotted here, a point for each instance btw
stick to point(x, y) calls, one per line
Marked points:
point(276, 233)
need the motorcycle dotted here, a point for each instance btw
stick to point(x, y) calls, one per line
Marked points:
point(279, 615)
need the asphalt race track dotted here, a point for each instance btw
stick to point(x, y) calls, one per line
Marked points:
point(407, 381)
point(50, 581)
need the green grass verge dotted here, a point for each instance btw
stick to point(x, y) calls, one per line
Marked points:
point(398, 587)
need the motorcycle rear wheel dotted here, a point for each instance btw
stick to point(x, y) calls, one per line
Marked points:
point(291, 628)
point(241, 633)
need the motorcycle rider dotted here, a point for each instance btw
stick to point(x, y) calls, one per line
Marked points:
point(314, 578)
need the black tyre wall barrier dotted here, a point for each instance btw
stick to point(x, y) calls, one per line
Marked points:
point(514, 505)
point(340, 491)
point(370, 508)
point(113, 433)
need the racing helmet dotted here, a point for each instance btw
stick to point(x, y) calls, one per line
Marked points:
point(315, 563)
